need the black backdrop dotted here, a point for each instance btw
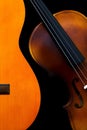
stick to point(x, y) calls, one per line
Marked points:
point(54, 93)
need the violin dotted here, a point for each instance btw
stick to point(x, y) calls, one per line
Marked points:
point(19, 88)
point(59, 45)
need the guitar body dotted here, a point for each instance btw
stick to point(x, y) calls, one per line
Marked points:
point(18, 108)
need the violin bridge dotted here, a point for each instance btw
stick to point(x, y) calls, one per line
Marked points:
point(85, 87)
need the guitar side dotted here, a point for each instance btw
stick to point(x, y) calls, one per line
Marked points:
point(18, 108)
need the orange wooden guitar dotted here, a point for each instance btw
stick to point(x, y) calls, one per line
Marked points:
point(19, 88)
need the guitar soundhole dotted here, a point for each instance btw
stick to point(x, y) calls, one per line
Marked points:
point(4, 89)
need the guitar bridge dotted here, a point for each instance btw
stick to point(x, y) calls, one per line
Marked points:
point(4, 89)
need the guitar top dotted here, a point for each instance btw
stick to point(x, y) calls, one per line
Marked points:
point(19, 88)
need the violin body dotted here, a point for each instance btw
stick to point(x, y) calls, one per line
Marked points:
point(19, 88)
point(46, 54)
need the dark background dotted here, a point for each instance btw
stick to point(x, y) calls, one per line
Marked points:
point(54, 92)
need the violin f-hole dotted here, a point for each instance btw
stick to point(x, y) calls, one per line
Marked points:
point(80, 105)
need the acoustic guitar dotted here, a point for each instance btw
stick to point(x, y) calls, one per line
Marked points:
point(19, 87)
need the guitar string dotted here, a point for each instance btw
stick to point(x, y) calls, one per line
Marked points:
point(39, 12)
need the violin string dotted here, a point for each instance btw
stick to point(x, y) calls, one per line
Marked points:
point(82, 68)
point(35, 4)
point(69, 46)
point(61, 32)
point(38, 9)
point(67, 37)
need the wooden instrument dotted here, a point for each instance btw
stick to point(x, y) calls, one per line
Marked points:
point(19, 88)
point(59, 44)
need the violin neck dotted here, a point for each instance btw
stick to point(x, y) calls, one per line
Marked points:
point(62, 40)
